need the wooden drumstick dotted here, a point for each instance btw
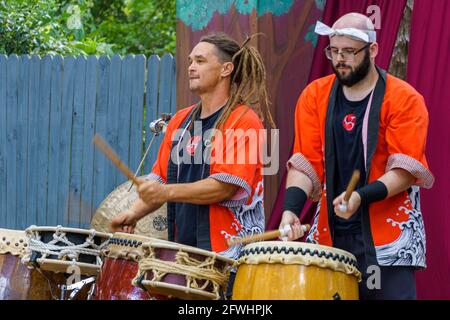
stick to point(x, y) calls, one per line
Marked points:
point(111, 155)
point(269, 235)
point(350, 188)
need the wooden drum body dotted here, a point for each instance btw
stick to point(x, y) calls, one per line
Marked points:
point(295, 271)
point(17, 281)
point(183, 272)
point(66, 257)
point(120, 266)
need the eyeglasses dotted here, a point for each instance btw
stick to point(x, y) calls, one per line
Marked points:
point(347, 54)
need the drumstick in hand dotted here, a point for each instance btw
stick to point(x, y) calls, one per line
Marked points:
point(111, 155)
point(350, 188)
point(263, 236)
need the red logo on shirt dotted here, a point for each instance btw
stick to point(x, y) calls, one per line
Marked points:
point(349, 122)
point(192, 145)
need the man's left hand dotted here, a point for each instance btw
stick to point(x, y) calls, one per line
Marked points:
point(352, 205)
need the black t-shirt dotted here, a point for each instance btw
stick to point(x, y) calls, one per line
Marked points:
point(347, 128)
point(186, 213)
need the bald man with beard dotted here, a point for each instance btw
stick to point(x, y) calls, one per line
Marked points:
point(362, 118)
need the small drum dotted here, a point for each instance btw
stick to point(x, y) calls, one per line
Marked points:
point(183, 272)
point(70, 252)
point(275, 270)
point(120, 265)
point(58, 249)
point(17, 282)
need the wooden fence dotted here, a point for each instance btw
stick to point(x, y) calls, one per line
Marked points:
point(50, 109)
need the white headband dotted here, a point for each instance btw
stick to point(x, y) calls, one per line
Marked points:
point(363, 35)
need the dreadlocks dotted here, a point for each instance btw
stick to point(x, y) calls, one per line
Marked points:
point(248, 79)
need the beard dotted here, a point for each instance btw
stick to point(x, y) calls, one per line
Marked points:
point(356, 75)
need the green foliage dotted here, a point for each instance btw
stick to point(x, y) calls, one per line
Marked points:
point(139, 26)
point(87, 27)
point(28, 27)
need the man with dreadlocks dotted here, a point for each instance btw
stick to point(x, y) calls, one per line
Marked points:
point(208, 168)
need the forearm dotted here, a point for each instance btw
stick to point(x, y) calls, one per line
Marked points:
point(390, 184)
point(141, 209)
point(298, 188)
point(396, 181)
point(206, 191)
point(296, 178)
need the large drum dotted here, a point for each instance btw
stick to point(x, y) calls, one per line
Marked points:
point(295, 271)
point(120, 199)
point(183, 272)
point(71, 253)
point(18, 282)
point(120, 265)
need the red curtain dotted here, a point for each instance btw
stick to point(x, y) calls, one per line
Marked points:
point(391, 13)
point(428, 70)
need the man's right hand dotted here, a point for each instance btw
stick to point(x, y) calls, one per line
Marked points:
point(124, 222)
point(291, 219)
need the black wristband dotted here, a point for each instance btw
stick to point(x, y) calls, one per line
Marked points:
point(294, 199)
point(373, 192)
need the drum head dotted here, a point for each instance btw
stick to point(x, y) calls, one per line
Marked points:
point(290, 252)
point(120, 199)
